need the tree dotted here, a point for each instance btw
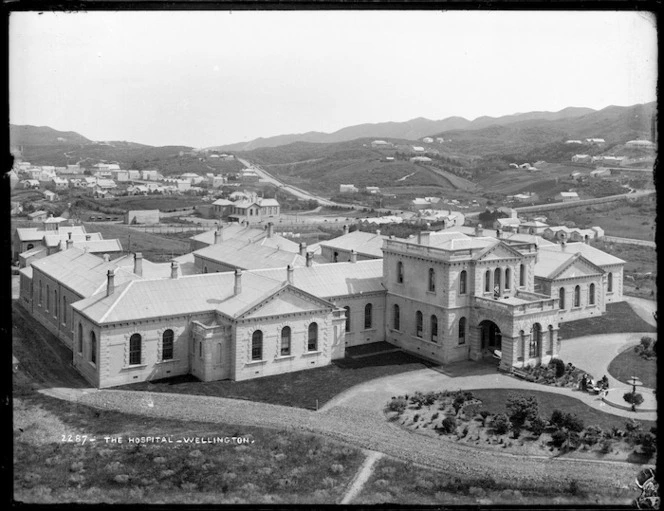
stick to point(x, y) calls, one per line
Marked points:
point(500, 424)
point(521, 409)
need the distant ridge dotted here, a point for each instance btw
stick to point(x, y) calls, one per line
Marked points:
point(413, 129)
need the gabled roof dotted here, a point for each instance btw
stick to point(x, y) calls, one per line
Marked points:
point(99, 245)
point(498, 250)
point(141, 299)
point(334, 279)
point(287, 300)
point(82, 272)
point(365, 243)
point(554, 265)
point(222, 202)
point(247, 255)
point(260, 237)
point(52, 239)
point(596, 256)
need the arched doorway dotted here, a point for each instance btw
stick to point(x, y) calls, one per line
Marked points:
point(490, 336)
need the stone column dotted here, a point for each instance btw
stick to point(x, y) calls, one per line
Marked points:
point(475, 333)
point(509, 352)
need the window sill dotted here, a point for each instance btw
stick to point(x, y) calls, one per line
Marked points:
point(422, 339)
point(167, 361)
point(429, 292)
point(256, 362)
point(284, 357)
point(317, 352)
point(369, 330)
point(463, 345)
point(92, 364)
point(134, 366)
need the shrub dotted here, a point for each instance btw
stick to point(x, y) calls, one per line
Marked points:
point(537, 426)
point(573, 423)
point(521, 409)
point(434, 416)
point(500, 424)
point(396, 404)
point(605, 446)
point(448, 425)
point(592, 435)
point(416, 418)
point(648, 443)
point(633, 398)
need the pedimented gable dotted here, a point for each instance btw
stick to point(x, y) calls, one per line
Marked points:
point(499, 251)
point(286, 301)
point(578, 267)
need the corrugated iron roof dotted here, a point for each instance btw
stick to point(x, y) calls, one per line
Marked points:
point(192, 294)
point(334, 279)
point(594, 255)
point(365, 243)
point(247, 255)
point(98, 246)
point(231, 232)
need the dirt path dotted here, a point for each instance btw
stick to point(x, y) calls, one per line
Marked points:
point(643, 308)
point(362, 476)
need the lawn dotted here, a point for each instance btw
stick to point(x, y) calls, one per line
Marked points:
point(619, 318)
point(300, 389)
point(493, 400)
point(394, 481)
point(629, 363)
point(267, 466)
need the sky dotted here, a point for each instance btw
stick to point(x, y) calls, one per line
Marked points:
point(204, 78)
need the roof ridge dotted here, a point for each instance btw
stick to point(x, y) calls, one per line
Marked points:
point(119, 297)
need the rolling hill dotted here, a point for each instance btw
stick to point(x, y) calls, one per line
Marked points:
point(413, 129)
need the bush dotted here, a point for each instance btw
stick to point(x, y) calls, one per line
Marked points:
point(396, 404)
point(448, 425)
point(521, 409)
point(633, 398)
point(592, 435)
point(557, 418)
point(648, 443)
point(500, 424)
point(537, 426)
point(605, 446)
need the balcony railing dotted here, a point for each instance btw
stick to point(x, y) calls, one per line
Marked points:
point(535, 303)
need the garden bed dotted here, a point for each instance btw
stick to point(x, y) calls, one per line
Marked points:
point(489, 419)
point(632, 362)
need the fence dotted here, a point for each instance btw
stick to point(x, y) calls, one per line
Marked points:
point(161, 229)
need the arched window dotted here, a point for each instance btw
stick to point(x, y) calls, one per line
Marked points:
point(535, 340)
point(257, 345)
point(418, 323)
point(135, 349)
point(64, 309)
point(609, 283)
point(487, 281)
point(367, 315)
point(522, 348)
point(400, 272)
point(432, 280)
point(285, 341)
point(204, 269)
point(463, 277)
point(93, 347)
point(336, 257)
point(550, 348)
point(167, 345)
point(48, 298)
point(30, 246)
point(462, 331)
point(347, 318)
point(80, 338)
point(561, 298)
point(591, 294)
point(496, 282)
point(397, 318)
point(522, 275)
point(55, 303)
point(41, 293)
point(434, 328)
point(219, 355)
point(577, 296)
point(312, 337)
point(508, 277)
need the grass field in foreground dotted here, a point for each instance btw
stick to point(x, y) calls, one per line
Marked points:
point(299, 389)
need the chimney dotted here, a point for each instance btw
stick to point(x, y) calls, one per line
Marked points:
point(353, 256)
point(346, 229)
point(303, 249)
point(174, 269)
point(563, 245)
point(69, 235)
point(237, 289)
point(423, 237)
point(310, 259)
point(270, 229)
point(138, 264)
point(87, 237)
point(478, 230)
point(497, 233)
point(377, 232)
point(70, 243)
point(110, 282)
point(289, 274)
point(107, 258)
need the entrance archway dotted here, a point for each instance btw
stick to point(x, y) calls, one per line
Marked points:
point(490, 336)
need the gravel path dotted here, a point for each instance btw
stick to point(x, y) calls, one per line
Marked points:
point(362, 476)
